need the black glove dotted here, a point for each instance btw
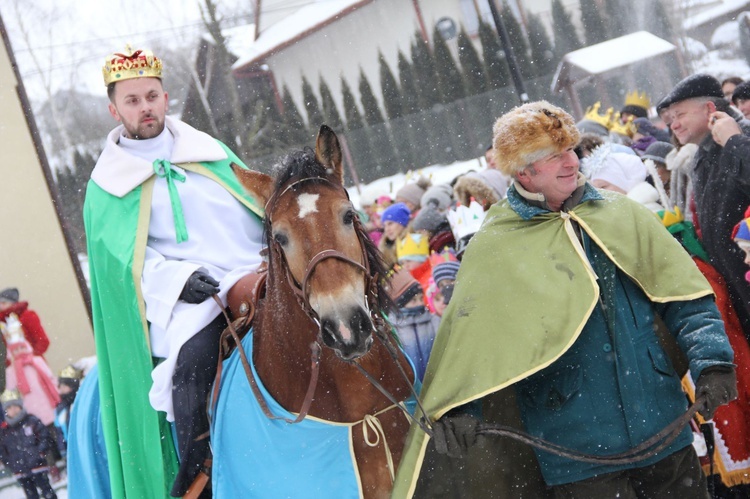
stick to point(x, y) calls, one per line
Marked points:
point(719, 385)
point(199, 287)
point(454, 435)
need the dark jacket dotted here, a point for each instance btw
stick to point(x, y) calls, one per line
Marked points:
point(23, 445)
point(721, 186)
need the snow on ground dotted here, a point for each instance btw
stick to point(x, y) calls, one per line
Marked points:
point(9, 489)
point(438, 174)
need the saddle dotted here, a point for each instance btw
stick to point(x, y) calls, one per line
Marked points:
point(242, 301)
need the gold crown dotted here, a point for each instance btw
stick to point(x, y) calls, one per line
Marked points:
point(592, 114)
point(671, 217)
point(10, 395)
point(636, 99)
point(627, 128)
point(412, 245)
point(70, 372)
point(131, 64)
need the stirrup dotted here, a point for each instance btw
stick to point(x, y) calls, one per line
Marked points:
point(200, 482)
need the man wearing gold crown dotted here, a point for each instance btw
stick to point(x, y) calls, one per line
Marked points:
point(556, 298)
point(168, 226)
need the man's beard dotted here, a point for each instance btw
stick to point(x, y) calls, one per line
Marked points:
point(146, 131)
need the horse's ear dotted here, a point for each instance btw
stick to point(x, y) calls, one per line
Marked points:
point(259, 185)
point(328, 152)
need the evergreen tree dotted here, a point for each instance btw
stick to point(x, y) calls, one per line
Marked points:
point(657, 21)
point(312, 107)
point(295, 132)
point(471, 64)
point(352, 115)
point(409, 92)
point(566, 38)
point(71, 181)
point(496, 68)
point(542, 52)
point(449, 77)
point(424, 73)
point(392, 99)
point(266, 132)
point(373, 115)
point(358, 135)
point(330, 111)
point(594, 29)
point(518, 41)
point(615, 16)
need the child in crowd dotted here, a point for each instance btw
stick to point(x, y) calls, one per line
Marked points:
point(444, 271)
point(415, 325)
point(67, 386)
point(412, 252)
point(394, 219)
point(741, 235)
point(24, 441)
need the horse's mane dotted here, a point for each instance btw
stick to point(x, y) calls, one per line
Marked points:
point(301, 164)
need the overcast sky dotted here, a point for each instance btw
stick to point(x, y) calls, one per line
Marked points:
point(63, 43)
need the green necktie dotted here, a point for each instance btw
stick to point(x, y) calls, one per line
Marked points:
point(163, 169)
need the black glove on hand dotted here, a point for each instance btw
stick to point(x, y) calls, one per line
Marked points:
point(719, 385)
point(199, 287)
point(454, 435)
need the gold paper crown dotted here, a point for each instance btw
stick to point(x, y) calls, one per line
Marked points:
point(592, 114)
point(70, 372)
point(131, 64)
point(10, 395)
point(636, 99)
point(627, 128)
point(412, 245)
point(671, 217)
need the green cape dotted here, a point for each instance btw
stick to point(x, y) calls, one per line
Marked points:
point(525, 287)
point(140, 450)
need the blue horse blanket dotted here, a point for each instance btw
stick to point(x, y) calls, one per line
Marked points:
point(257, 457)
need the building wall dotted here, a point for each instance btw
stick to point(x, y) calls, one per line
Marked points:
point(33, 254)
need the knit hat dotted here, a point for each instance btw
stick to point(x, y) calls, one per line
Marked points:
point(398, 213)
point(442, 239)
point(11, 397)
point(414, 247)
point(697, 85)
point(9, 294)
point(442, 194)
point(657, 152)
point(444, 265)
point(402, 287)
point(413, 192)
point(429, 218)
point(493, 178)
point(741, 91)
point(532, 132)
point(622, 170)
point(741, 231)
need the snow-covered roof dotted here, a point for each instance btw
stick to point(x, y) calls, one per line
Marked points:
point(301, 23)
point(709, 15)
point(238, 38)
point(606, 56)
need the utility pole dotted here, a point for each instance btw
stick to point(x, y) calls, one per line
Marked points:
point(509, 55)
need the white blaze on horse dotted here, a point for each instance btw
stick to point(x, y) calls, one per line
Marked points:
point(311, 424)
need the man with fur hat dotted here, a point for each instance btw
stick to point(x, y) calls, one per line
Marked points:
point(573, 332)
point(168, 226)
point(697, 113)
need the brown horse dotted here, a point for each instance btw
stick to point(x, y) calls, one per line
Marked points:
point(323, 286)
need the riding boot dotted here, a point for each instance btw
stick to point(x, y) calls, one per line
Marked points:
point(192, 381)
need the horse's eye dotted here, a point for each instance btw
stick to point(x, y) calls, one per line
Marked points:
point(281, 239)
point(349, 217)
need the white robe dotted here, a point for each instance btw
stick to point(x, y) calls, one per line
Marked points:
point(223, 239)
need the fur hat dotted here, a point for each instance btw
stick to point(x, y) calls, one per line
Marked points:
point(9, 294)
point(657, 152)
point(532, 132)
point(741, 91)
point(402, 287)
point(413, 192)
point(398, 213)
point(697, 85)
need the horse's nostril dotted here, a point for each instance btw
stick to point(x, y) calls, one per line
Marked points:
point(329, 333)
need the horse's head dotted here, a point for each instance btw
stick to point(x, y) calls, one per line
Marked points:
point(316, 239)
